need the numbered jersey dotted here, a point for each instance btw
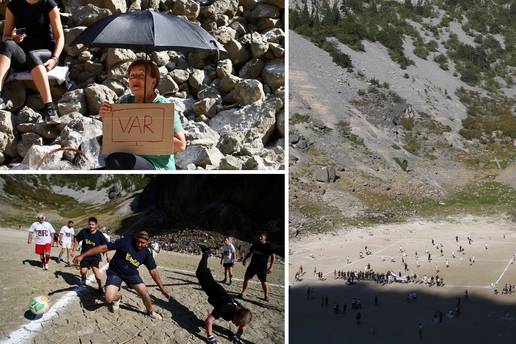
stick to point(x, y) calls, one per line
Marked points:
point(67, 233)
point(229, 253)
point(42, 233)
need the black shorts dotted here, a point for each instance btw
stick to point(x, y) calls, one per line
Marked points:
point(260, 272)
point(228, 265)
point(114, 279)
point(89, 264)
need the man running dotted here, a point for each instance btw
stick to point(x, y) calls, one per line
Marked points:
point(228, 259)
point(225, 306)
point(43, 232)
point(66, 235)
point(91, 237)
point(130, 253)
point(260, 251)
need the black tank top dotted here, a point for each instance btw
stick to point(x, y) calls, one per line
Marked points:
point(36, 21)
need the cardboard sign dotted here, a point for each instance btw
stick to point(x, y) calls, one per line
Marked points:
point(146, 129)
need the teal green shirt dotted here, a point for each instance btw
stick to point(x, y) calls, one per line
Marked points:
point(160, 162)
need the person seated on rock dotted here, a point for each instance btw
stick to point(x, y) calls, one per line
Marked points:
point(136, 74)
point(225, 306)
point(32, 39)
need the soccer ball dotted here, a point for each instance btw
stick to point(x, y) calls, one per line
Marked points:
point(39, 304)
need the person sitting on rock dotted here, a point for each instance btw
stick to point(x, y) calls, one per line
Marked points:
point(137, 72)
point(32, 39)
point(225, 306)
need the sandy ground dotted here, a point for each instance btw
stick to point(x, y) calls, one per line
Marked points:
point(86, 318)
point(485, 318)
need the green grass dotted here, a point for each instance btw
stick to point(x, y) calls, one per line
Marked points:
point(402, 163)
point(485, 155)
point(320, 217)
point(408, 123)
point(27, 195)
point(297, 118)
point(386, 22)
point(487, 115)
point(344, 130)
point(483, 198)
point(412, 145)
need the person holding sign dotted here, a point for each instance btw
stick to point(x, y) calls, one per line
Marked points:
point(143, 80)
point(32, 39)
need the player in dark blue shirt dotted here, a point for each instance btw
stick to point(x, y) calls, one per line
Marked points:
point(91, 237)
point(130, 253)
point(225, 306)
point(260, 251)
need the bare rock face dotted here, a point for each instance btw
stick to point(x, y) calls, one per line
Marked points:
point(27, 140)
point(96, 95)
point(274, 73)
point(188, 8)
point(199, 156)
point(325, 174)
point(249, 91)
point(43, 157)
point(72, 101)
point(15, 95)
point(87, 15)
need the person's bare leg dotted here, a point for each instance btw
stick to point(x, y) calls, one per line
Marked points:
point(84, 271)
point(142, 290)
point(5, 63)
point(111, 293)
point(40, 78)
point(245, 286)
point(98, 276)
point(265, 289)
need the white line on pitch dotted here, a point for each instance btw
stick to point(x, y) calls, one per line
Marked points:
point(26, 332)
point(504, 270)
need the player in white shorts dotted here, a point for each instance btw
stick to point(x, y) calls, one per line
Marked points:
point(108, 239)
point(66, 235)
point(43, 235)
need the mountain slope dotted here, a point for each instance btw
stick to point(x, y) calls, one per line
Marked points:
point(409, 133)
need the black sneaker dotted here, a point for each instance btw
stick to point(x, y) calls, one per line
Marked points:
point(50, 115)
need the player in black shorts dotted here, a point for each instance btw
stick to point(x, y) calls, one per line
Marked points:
point(130, 253)
point(261, 252)
point(225, 306)
point(91, 237)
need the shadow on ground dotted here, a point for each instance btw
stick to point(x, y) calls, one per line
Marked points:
point(482, 319)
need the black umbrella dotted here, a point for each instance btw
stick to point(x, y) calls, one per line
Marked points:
point(148, 31)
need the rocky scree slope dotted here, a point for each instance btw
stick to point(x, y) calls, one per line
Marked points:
point(401, 109)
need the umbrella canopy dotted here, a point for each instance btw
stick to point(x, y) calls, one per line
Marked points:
point(148, 31)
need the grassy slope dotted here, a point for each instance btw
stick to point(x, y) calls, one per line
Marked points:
point(25, 196)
